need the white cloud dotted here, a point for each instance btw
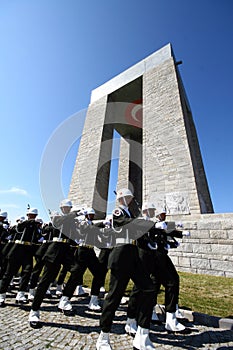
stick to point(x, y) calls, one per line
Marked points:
point(15, 190)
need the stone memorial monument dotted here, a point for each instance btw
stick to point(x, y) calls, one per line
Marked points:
point(160, 156)
point(159, 159)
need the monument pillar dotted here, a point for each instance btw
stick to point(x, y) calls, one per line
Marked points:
point(160, 158)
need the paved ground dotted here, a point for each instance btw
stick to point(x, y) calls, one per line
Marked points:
point(81, 331)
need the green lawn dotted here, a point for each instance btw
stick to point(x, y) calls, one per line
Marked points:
point(200, 293)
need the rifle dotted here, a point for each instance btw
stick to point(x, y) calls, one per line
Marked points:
point(166, 238)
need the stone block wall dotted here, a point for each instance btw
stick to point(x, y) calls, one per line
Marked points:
point(209, 249)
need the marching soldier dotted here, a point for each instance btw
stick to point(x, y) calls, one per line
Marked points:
point(168, 277)
point(12, 236)
point(104, 254)
point(153, 248)
point(125, 264)
point(85, 257)
point(79, 291)
point(46, 239)
point(21, 254)
point(3, 236)
point(58, 252)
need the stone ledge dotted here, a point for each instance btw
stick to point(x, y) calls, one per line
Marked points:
point(195, 317)
point(203, 319)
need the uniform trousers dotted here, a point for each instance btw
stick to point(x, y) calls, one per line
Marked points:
point(19, 256)
point(125, 264)
point(84, 258)
point(162, 271)
point(66, 267)
point(103, 260)
point(62, 275)
point(5, 250)
point(38, 267)
point(56, 254)
point(1, 256)
point(50, 272)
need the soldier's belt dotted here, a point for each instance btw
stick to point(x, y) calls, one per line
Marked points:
point(86, 246)
point(22, 242)
point(125, 241)
point(62, 240)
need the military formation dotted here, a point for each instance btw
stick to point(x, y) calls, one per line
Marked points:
point(132, 244)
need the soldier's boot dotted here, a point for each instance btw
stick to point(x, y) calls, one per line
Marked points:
point(102, 290)
point(142, 340)
point(124, 301)
point(59, 290)
point(179, 313)
point(94, 303)
point(80, 292)
point(103, 342)
point(154, 318)
point(48, 294)
point(2, 299)
point(21, 298)
point(31, 294)
point(65, 306)
point(12, 282)
point(34, 319)
point(172, 325)
point(131, 327)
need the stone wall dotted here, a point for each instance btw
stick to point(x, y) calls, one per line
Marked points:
point(209, 249)
point(172, 161)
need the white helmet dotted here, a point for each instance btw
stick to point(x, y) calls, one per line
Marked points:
point(20, 218)
point(66, 203)
point(160, 212)
point(148, 205)
point(3, 214)
point(32, 211)
point(123, 193)
point(89, 211)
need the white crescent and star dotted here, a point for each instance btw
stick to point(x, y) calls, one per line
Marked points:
point(134, 112)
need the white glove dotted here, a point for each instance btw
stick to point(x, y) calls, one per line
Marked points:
point(186, 233)
point(162, 225)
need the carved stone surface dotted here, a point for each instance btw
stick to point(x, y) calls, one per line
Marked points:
point(177, 203)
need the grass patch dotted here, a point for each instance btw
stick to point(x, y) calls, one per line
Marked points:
point(212, 295)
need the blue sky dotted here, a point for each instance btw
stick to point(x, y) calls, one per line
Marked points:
point(54, 53)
